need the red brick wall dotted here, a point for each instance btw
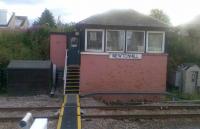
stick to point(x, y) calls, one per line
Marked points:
point(58, 44)
point(101, 74)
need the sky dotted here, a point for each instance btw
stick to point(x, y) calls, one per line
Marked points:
point(179, 11)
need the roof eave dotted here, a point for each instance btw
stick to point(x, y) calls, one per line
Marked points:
point(82, 26)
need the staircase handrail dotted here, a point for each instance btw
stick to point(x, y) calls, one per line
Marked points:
point(65, 72)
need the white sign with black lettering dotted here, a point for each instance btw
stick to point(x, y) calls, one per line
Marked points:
point(125, 56)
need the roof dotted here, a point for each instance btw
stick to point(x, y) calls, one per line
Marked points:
point(22, 19)
point(123, 18)
point(186, 66)
point(29, 64)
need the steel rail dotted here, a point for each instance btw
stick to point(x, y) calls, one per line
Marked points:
point(28, 108)
point(6, 119)
point(143, 107)
point(143, 116)
point(126, 93)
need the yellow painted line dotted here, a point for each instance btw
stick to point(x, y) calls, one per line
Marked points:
point(72, 90)
point(60, 116)
point(61, 113)
point(74, 72)
point(78, 113)
point(73, 82)
point(78, 100)
point(72, 79)
point(79, 122)
point(73, 75)
point(65, 99)
point(72, 86)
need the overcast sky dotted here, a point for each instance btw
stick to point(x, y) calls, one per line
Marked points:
point(179, 11)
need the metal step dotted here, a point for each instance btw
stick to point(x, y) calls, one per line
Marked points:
point(72, 79)
point(73, 75)
point(70, 92)
point(72, 83)
point(77, 72)
point(72, 88)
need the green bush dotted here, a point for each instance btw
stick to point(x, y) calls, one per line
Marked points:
point(32, 44)
point(182, 49)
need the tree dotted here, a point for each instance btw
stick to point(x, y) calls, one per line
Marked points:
point(46, 18)
point(160, 15)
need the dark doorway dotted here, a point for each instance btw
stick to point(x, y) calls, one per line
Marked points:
point(73, 49)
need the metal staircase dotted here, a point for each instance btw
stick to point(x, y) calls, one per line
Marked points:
point(72, 79)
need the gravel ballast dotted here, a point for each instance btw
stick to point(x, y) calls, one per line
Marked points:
point(141, 124)
point(15, 124)
point(29, 101)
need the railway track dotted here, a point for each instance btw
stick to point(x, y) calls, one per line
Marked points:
point(143, 107)
point(5, 119)
point(28, 108)
point(16, 113)
point(143, 116)
point(144, 113)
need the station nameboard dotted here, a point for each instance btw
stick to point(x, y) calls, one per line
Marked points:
point(117, 55)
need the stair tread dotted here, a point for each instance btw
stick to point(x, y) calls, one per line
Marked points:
point(73, 79)
point(73, 82)
point(73, 66)
point(72, 89)
point(72, 85)
point(72, 75)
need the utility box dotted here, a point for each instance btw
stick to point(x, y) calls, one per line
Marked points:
point(29, 77)
point(187, 78)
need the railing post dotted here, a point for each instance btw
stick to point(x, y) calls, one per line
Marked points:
point(65, 73)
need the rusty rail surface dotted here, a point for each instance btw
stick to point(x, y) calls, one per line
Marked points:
point(6, 119)
point(143, 116)
point(28, 108)
point(143, 107)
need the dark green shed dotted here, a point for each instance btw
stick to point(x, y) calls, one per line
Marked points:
point(28, 77)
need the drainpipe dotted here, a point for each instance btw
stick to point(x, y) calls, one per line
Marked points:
point(54, 81)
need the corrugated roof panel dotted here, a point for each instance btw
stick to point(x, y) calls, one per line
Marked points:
point(29, 64)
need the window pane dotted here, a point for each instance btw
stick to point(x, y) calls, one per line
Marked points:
point(115, 40)
point(135, 41)
point(94, 40)
point(155, 42)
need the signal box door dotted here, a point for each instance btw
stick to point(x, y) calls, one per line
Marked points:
point(73, 50)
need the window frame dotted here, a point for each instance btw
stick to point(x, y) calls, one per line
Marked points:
point(144, 43)
point(90, 50)
point(107, 40)
point(147, 42)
